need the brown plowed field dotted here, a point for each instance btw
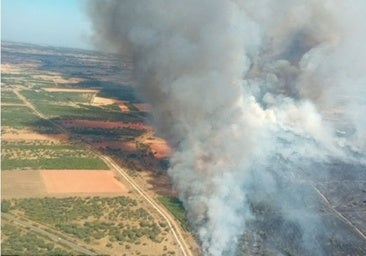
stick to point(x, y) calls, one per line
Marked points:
point(81, 181)
point(23, 184)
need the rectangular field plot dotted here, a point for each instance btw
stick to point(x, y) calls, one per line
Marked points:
point(21, 184)
point(81, 181)
point(35, 155)
point(26, 184)
point(54, 163)
point(18, 116)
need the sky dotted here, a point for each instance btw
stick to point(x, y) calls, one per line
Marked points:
point(46, 22)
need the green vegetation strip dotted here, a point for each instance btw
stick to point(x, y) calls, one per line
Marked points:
point(54, 163)
point(38, 96)
point(40, 155)
point(175, 206)
point(87, 112)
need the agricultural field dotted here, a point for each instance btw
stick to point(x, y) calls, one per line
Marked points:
point(9, 97)
point(61, 183)
point(35, 155)
point(58, 120)
point(17, 117)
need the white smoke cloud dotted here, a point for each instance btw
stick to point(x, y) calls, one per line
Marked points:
point(245, 92)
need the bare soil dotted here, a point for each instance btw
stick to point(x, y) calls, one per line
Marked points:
point(22, 184)
point(25, 184)
point(159, 147)
point(101, 101)
point(82, 181)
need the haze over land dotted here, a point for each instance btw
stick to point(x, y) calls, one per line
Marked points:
point(261, 102)
point(259, 112)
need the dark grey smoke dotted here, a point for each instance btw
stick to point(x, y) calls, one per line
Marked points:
point(250, 95)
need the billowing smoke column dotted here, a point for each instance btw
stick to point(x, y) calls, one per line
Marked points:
point(248, 94)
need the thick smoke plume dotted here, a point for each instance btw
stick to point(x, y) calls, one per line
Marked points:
point(250, 95)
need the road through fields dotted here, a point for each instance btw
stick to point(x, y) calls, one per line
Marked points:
point(172, 223)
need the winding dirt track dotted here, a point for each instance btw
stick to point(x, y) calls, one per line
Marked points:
point(174, 227)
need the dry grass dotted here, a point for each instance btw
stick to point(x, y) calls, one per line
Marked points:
point(58, 79)
point(158, 146)
point(22, 184)
point(29, 136)
point(13, 104)
point(101, 101)
point(7, 68)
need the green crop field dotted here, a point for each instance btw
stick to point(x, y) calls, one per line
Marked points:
point(18, 116)
point(58, 163)
point(9, 97)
